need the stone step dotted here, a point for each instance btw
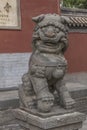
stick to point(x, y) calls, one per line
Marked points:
point(9, 99)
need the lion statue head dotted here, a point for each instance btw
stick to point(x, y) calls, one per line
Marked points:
point(50, 31)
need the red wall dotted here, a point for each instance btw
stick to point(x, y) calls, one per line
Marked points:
point(20, 41)
point(77, 52)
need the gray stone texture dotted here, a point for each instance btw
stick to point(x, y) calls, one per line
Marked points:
point(69, 121)
point(84, 125)
point(10, 99)
point(79, 93)
point(43, 84)
point(11, 127)
point(7, 121)
point(12, 67)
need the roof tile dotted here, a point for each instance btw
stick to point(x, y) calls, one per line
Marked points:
point(78, 21)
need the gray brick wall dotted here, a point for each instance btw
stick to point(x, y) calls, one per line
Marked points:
point(12, 67)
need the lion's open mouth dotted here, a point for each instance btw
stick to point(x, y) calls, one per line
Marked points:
point(49, 44)
point(51, 40)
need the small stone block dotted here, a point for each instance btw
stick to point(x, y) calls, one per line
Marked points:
point(69, 121)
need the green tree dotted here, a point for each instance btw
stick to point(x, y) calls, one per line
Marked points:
point(75, 3)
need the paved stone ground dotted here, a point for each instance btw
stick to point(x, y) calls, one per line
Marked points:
point(80, 78)
point(84, 125)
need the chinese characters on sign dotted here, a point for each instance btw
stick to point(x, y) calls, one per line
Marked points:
point(10, 14)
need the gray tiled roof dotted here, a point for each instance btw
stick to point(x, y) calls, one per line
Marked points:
point(78, 18)
point(78, 21)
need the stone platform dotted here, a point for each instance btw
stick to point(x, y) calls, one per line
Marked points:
point(69, 121)
point(8, 122)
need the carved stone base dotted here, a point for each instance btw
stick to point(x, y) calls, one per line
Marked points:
point(69, 121)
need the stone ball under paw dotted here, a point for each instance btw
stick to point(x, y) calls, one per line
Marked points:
point(45, 105)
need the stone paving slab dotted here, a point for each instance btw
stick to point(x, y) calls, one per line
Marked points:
point(84, 125)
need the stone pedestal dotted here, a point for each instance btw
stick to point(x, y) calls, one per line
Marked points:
point(69, 121)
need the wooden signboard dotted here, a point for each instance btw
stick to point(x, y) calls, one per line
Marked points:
point(10, 14)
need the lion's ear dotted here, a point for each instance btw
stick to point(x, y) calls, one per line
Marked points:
point(39, 18)
point(65, 20)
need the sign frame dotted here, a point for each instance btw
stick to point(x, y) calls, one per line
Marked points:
point(18, 12)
